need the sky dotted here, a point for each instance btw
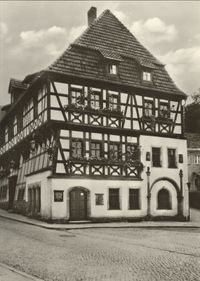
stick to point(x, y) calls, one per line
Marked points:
point(35, 33)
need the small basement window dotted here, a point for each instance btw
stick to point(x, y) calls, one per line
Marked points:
point(112, 69)
point(146, 76)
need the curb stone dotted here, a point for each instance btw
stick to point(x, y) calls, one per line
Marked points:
point(30, 277)
point(75, 227)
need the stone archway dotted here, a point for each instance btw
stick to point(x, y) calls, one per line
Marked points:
point(169, 187)
point(78, 203)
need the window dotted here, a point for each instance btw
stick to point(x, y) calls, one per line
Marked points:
point(113, 102)
point(3, 192)
point(134, 200)
point(11, 130)
point(197, 159)
point(35, 107)
point(20, 195)
point(96, 149)
point(148, 108)
point(77, 148)
point(95, 100)
point(164, 110)
point(19, 122)
point(114, 151)
point(2, 136)
point(132, 152)
point(156, 153)
point(112, 69)
point(6, 134)
point(171, 158)
point(164, 202)
point(76, 96)
point(146, 76)
point(99, 199)
point(114, 199)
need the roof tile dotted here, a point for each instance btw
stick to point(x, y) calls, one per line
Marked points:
point(107, 36)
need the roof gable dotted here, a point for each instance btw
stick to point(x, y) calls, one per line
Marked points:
point(108, 33)
point(107, 37)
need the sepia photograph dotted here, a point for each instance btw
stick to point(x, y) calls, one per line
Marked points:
point(99, 140)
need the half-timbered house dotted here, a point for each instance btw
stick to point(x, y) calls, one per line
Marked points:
point(98, 135)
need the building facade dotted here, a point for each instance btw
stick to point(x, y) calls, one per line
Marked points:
point(194, 161)
point(98, 135)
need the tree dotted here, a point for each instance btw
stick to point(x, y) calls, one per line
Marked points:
point(196, 97)
point(192, 114)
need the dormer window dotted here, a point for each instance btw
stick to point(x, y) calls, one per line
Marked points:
point(146, 76)
point(112, 69)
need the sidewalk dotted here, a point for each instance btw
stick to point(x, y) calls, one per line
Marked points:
point(8, 273)
point(194, 223)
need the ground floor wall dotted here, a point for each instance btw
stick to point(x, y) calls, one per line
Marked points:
point(61, 209)
point(161, 193)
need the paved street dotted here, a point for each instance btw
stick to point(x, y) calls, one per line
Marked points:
point(101, 254)
point(10, 274)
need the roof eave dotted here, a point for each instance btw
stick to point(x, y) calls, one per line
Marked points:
point(178, 95)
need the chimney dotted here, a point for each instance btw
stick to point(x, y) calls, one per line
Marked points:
point(92, 15)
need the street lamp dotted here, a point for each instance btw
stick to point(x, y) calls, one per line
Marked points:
point(189, 185)
point(148, 172)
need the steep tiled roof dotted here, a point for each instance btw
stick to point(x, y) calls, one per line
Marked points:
point(193, 140)
point(110, 54)
point(107, 36)
point(15, 83)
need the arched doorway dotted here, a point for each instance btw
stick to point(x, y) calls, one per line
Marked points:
point(78, 198)
point(164, 200)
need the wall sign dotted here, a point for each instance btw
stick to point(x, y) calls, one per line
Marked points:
point(58, 195)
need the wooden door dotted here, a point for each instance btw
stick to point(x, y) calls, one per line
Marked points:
point(78, 205)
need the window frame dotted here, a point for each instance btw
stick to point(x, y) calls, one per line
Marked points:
point(131, 205)
point(167, 103)
point(135, 148)
point(82, 148)
point(75, 90)
point(19, 122)
point(11, 129)
point(118, 144)
point(109, 65)
point(174, 165)
point(151, 109)
point(35, 106)
point(110, 104)
point(100, 99)
point(160, 160)
point(197, 159)
point(116, 205)
point(101, 148)
point(145, 73)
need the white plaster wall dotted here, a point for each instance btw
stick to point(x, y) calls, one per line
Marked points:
point(60, 210)
point(45, 185)
point(146, 143)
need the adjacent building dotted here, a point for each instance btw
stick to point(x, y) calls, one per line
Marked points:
point(194, 161)
point(98, 135)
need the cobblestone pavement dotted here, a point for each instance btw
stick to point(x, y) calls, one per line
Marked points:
point(102, 254)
